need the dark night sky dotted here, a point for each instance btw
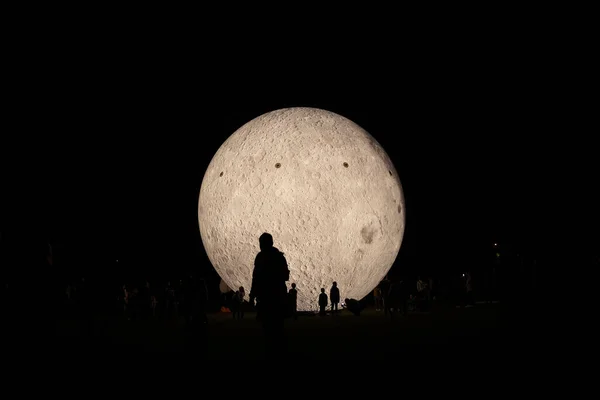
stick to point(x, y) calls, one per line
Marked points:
point(108, 162)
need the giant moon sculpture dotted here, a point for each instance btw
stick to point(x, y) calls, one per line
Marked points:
point(321, 185)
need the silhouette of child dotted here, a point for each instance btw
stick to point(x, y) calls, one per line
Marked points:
point(293, 301)
point(238, 303)
point(323, 300)
point(235, 305)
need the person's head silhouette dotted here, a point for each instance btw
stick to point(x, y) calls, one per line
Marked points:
point(293, 286)
point(266, 241)
point(334, 284)
point(322, 290)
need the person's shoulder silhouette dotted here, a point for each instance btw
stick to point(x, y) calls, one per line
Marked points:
point(270, 270)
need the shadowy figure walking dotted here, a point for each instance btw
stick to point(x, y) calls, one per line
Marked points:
point(270, 291)
point(237, 304)
point(384, 285)
point(469, 299)
point(194, 298)
point(421, 294)
point(322, 302)
point(377, 297)
point(334, 297)
point(397, 299)
point(170, 301)
point(293, 301)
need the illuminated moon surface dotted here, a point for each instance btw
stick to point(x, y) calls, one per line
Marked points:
point(321, 185)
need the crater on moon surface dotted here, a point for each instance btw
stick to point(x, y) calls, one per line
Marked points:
point(367, 234)
point(332, 225)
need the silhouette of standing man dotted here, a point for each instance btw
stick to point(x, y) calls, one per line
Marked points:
point(270, 291)
point(334, 297)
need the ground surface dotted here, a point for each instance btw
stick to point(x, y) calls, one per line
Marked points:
point(437, 334)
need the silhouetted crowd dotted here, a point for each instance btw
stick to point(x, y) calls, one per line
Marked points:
point(186, 299)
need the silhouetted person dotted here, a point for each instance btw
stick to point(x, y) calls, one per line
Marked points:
point(69, 291)
point(170, 300)
point(384, 285)
point(403, 297)
point(242, 296)
point(469, 299)
point(195, 297)
point(188, 303)
point(334, 297)
point(421, 293)
point(377, 297)
point(202, 300)
point(153, 304)
point(237, 303)
point(192, 305)
point(126, 297)
point(322, 302)
point(234, 304)
point(270, 291)
point(353, 306)
point(293, 301)
point(397, 299)
point(412, 300)
point(224, 294)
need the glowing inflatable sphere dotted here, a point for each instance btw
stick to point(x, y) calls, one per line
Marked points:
point(321, 185)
